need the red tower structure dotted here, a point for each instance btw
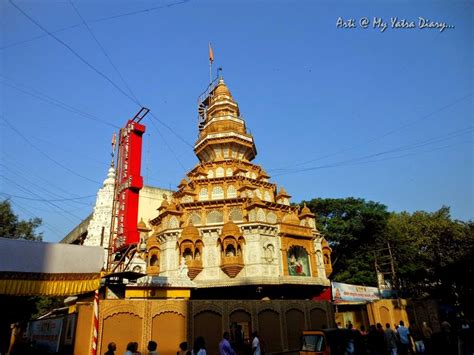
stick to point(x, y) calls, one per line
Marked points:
point(128, 183)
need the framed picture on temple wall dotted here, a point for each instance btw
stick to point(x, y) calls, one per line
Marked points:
point(298, 262)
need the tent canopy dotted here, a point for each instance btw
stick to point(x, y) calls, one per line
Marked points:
point(36, 268)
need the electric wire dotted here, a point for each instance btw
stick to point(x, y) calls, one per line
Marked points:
point(104, 52)
point(46, 155)
point(83, 60)
point(48, 200)
point(43, 223)
point(95, 21)
point(35, 194)
point(75, 53)
point(55, 102)
point(57, 196)
point(360, 160)
point(379, 137)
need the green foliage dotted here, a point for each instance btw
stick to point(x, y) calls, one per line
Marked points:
point(353, 228)
point(12, 228)
point(433, 255)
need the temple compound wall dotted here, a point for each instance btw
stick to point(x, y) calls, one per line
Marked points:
point(170, 322)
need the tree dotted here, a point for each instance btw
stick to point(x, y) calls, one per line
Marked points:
point(434, 255)
point(354, 228)
point(12, 228)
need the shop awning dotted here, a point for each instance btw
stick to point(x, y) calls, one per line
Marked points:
point(35, 268)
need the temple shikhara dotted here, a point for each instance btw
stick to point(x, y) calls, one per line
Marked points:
point(229, 225)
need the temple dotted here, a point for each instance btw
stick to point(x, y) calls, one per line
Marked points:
point(232, 228)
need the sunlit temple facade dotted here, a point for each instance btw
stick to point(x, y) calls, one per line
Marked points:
point(227, 224)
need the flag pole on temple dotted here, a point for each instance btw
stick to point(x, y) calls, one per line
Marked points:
point(211, 59)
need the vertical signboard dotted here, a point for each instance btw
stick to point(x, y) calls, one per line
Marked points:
point(128, 184)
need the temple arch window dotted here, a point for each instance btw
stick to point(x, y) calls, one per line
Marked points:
point(252, 216)
point(231, 192)
point(267, 197)
point(229, 172)
point(173, 223)
point(195, 219)
point(258, 193)
point(253, 176)
point(188, 254)
point(261, 215)
point(154, 260)
point(235, 215)
point(203, 194)
point(197, 254)
point(217, 193)
point(214, 217)
point(219, 172)
point(271, 218)
point(210, 174)
point(230, 250)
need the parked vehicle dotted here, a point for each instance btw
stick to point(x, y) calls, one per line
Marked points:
point(324, 342)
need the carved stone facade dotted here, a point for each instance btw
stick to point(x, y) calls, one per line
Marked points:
point(231, 225)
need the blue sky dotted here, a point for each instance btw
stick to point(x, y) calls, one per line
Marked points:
point(335, 112)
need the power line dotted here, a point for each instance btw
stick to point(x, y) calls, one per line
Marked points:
point(391, 151)
point(55, 102)
point(43, 223)
point(45, 200)
point(46, 155)
point(82, 59)
point(95, 21)
point(376, 138)
point(35, 194)
point(134, 100)
point(104, 52)
point(59, 197)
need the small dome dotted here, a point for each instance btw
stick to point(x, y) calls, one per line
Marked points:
point(291, 218)
point(306, 211)
point(221, 89)
point(190, 232)
point(230, 228)
point(141, 225)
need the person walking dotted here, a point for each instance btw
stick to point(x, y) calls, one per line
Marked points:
point(404, 337)
point(417, 336)
point(111, 349)
point(199, 347)
point(256, 344)
point(224, 345)
point(390, 340)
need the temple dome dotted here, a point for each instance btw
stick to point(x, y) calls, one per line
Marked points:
point(291, 218)
point(190, 232)
point(230, 228)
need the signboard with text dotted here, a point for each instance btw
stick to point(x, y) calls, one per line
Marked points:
point(46, 334)
point(346, 293)
point(128, 184)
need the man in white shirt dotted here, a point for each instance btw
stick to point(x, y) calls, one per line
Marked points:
point(256, 344)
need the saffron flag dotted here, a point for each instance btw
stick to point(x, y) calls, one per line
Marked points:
point(211, 53)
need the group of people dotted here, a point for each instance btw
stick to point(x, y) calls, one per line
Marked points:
point(199, 347)
point(399, 340)
point(132, 348)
